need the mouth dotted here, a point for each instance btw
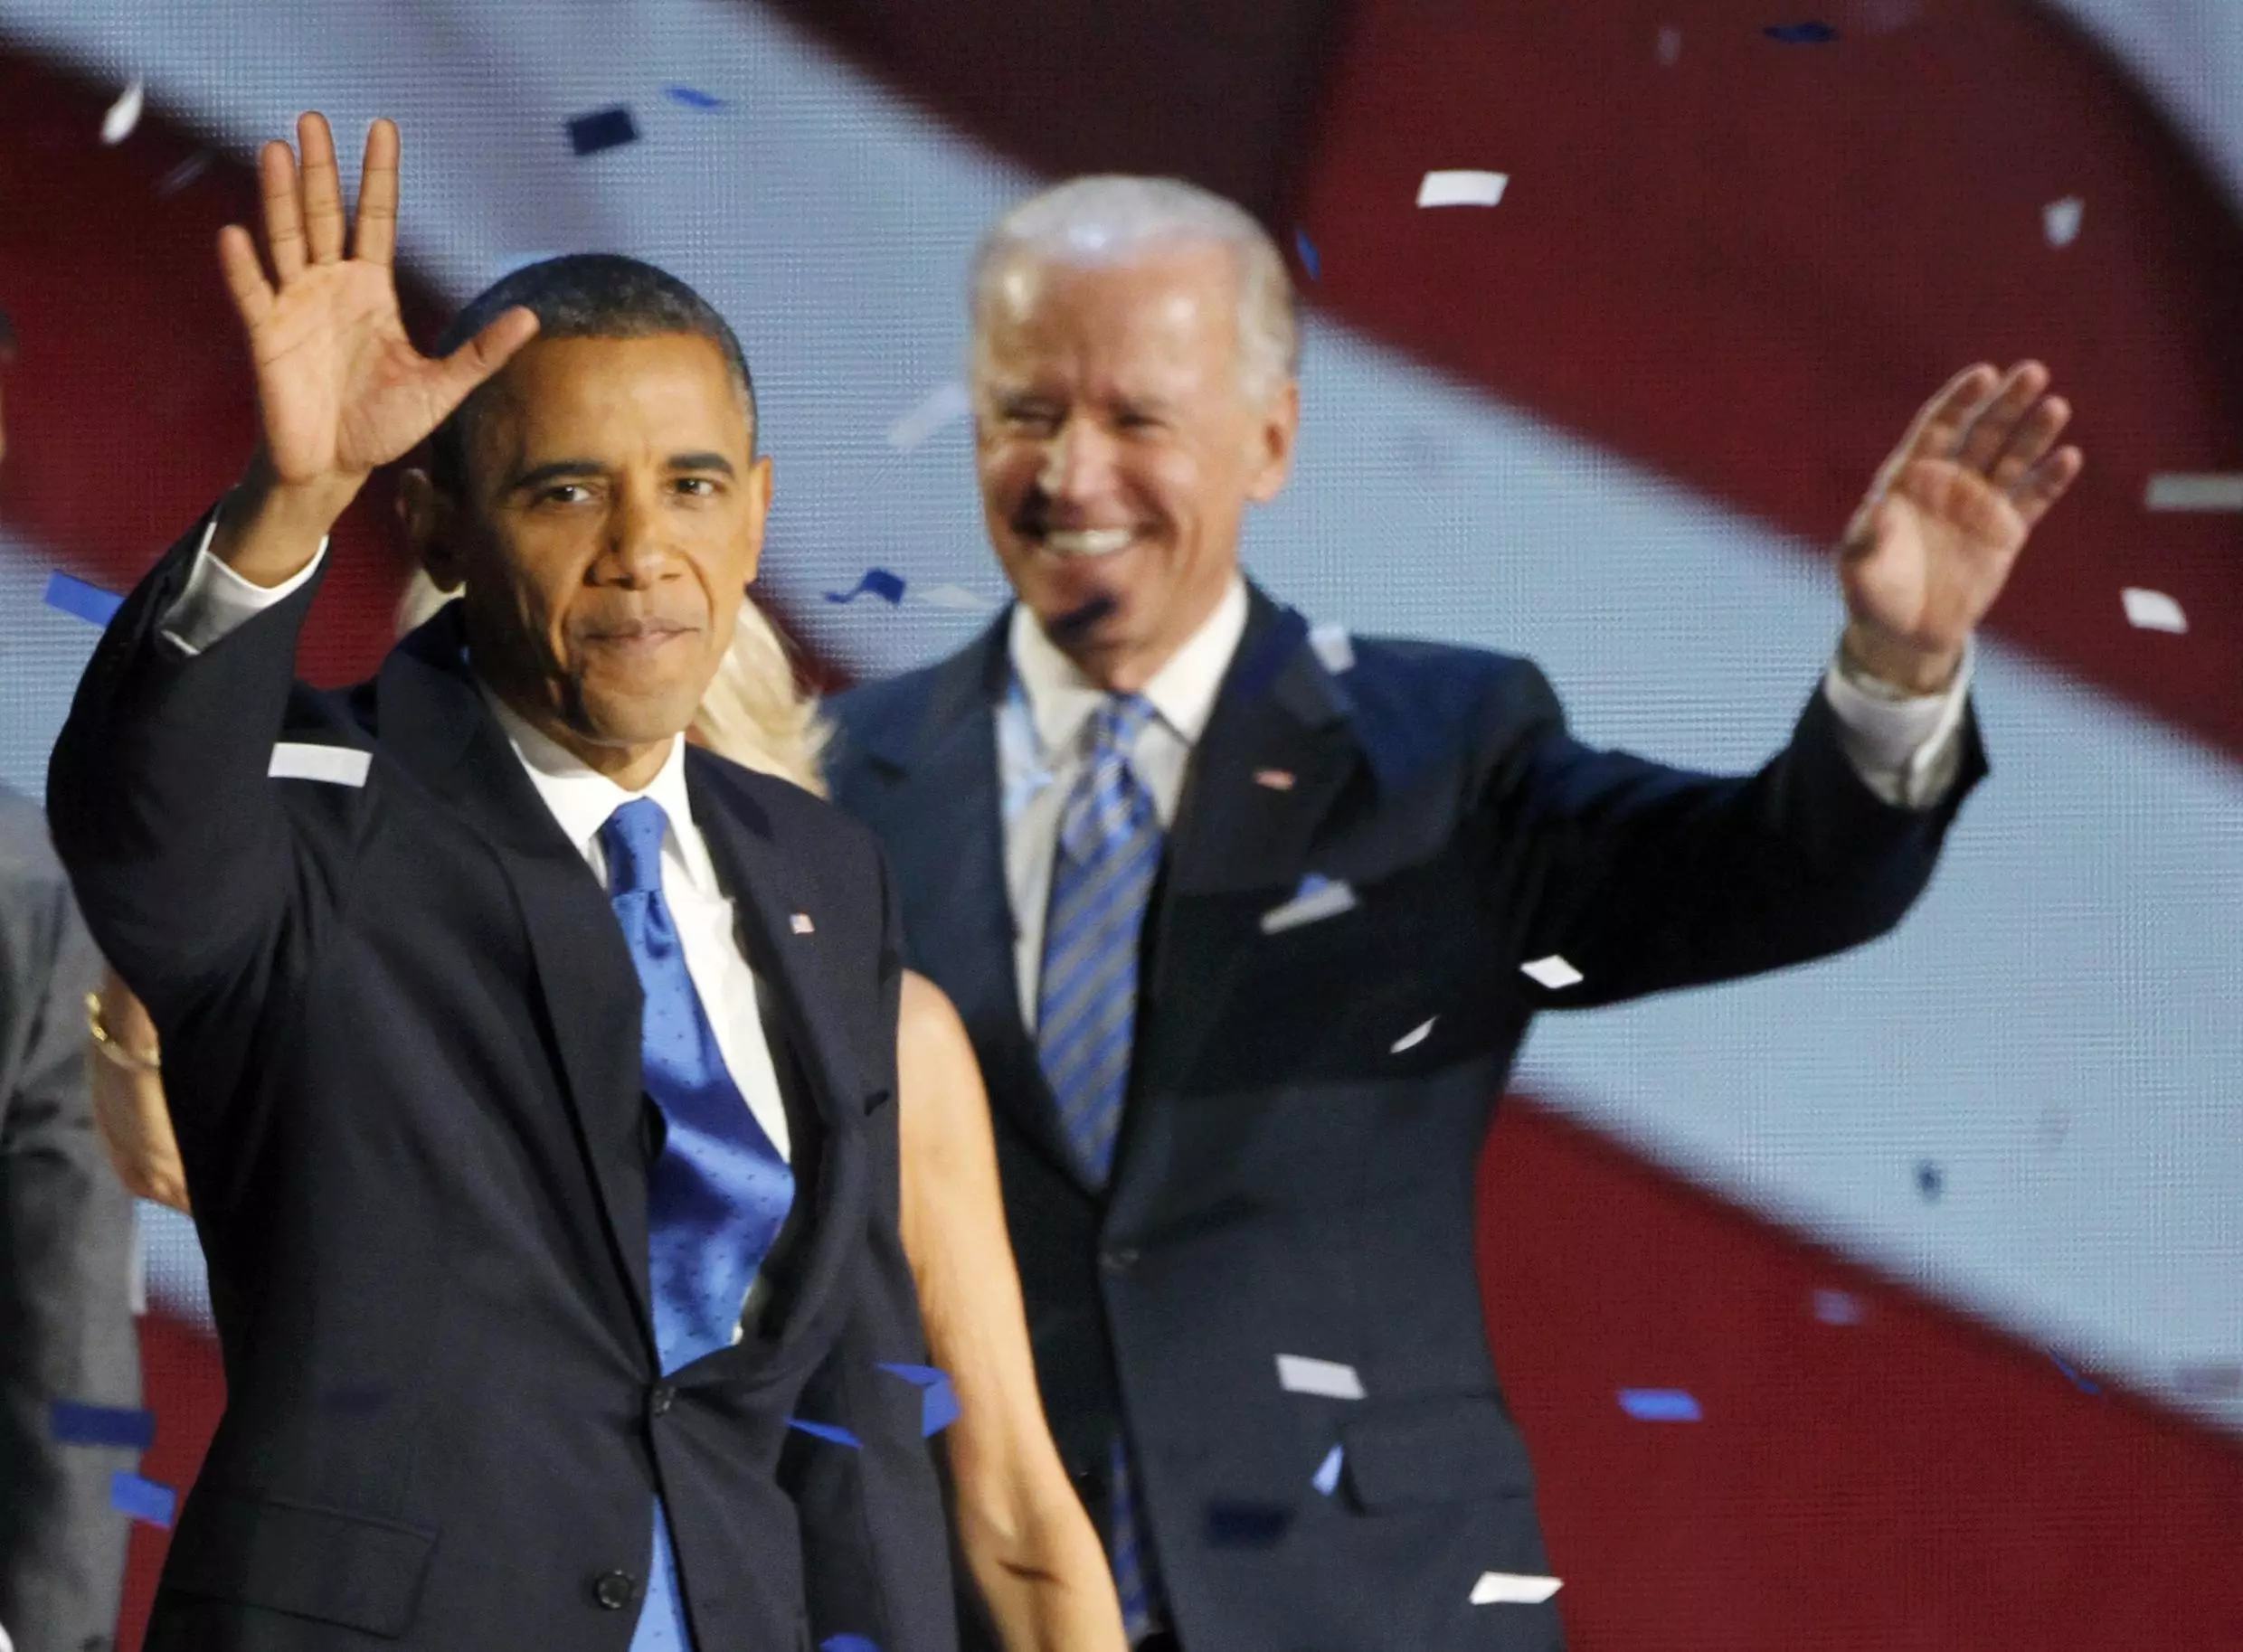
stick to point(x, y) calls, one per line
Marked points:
point(635, 637)
point(1085, 543)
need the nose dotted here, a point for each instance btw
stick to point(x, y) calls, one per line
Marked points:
point(1078, 466)
point(639, 553)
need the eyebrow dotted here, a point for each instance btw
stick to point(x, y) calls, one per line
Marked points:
point(566, 469)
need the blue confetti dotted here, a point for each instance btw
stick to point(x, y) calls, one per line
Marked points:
point(141, 1498)
point(602, 130)
point(74, 596)
point(878, 582)
point(1326, 1478)
point(848, 1643)
point(1307, 250)
point(1801, 34)
point(2078, 1381)
point(73, 1424)
point(1929, 1182)
point(827, 1430)
point(938, 1404)
point(1658, 1405)
point(692, 99)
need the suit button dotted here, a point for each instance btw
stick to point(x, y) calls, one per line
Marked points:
point(660, 1397)
point(1118, 1259)
point(613, 1590)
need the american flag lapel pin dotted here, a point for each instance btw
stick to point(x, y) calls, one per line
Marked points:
point(801, 925)
point(1276, 779)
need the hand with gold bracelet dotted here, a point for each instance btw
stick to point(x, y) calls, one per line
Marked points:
point(127, 1084)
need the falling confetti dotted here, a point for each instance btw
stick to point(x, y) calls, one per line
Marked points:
point(2153, 610)
point(1659, 1405)
point(1670, 46)
point(1512, 1589)
point(2195, 492)
point(184, 174)
point(2060, 220)
point(826, 1430)
point(599, 129)
point(123, 115)
point(1839, 1307)
point(1333, 647)
point(879, 582)
point(73, 1424)
point(1307, 250)
point(1553, 972)
point(143, 1499)
point(938, 1402)
point(957, 599)
point(1413, 1038)
point(692, 99)
point(1929, 1182)
point(1326, 1480)
point(73, 595)
point(1801, 34)
point(1317, 898)
point(943, 405)
point(1463, 188)
point(1297, 1374)
point(2210, 1381)
point(848, 1643)
point(2078, 1381)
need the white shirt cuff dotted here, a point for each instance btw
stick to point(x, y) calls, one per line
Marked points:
point(216, 600)
point(1906, 748)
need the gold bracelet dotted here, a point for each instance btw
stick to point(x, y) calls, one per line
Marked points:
point(111, 1050)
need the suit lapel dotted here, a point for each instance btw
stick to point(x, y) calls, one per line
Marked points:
point(768, 891)
point(434, 724)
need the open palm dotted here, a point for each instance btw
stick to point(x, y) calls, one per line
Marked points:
point(1934, 540)
point(340, 388)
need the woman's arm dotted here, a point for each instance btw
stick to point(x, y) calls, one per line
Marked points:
point(1024, 1531)
point(128, 1107)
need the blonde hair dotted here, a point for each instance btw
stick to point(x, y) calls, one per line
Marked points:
point(756, 712)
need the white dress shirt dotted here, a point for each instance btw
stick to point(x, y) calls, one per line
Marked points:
point(1906, 748)
point(216, 600)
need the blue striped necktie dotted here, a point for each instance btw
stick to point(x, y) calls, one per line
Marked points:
point(718, 1192)
point(1108, 852)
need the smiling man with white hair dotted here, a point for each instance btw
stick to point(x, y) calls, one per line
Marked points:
point(1249, 927)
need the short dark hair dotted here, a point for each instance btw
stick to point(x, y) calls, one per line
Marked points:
point(581, 294)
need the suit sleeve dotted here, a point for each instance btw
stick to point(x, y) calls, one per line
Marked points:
point(1644, 877)
point(183, 856)
point(875, 1539)
point(66, 1320)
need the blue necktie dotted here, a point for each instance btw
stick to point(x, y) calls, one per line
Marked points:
point(718, 1192)
point(1108, 852)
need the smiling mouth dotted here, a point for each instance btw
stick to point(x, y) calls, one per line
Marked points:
point(1074, 543)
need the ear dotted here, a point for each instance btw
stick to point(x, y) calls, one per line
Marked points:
point(1274, 436)
point(756, 493)
point(426, 516)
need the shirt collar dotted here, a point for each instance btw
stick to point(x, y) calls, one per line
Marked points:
point(1062, 699)
point(582, 798)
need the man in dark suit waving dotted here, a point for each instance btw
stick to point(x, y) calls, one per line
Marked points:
point(534, 1074)
point(1247, 924)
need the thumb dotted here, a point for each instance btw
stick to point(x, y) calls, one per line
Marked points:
point(489, 351)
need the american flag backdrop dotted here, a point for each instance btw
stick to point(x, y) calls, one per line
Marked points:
point(1944, 1238)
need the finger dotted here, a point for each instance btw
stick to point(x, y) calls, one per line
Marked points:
point(245, 276)
point(2046, 483)
point(486, 353)
point(323, 189)
point(1981, 441)
point(2035, 434)
point(376, 239)
point(1937, 421)
point(284, 210)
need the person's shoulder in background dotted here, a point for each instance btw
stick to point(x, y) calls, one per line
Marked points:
point(27, 857)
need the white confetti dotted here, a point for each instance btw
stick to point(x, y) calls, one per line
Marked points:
point(1297, 1374)
point(1463, 188)
point(1670, 46)
point(124, 115)
point(336, 765)
point(2195, 492)
point(1316, 901)
point(1333, 647)
point(2060, 218)
point(184, 174)
point(1552, 972)
point(1413, 1038)
point(1326, 1480)
point(943, 405)
point(2153, 610)
point(1838, 1307)
point(956, 598)
point(801, 925)
point(1512, 1588)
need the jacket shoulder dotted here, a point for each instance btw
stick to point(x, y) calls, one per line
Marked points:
point(1411, 695)
point(879, 713)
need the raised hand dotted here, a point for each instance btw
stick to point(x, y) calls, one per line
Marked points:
point(340, 388)
point(1938, 531)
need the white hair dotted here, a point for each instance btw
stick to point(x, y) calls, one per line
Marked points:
point(754, 711)
point(1113, 218)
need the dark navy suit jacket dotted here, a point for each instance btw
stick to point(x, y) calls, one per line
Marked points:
point(401, 1034)
point(1288, 1182)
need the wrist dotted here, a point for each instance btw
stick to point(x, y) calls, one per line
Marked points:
point(1863, 654)
point(270, 528)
